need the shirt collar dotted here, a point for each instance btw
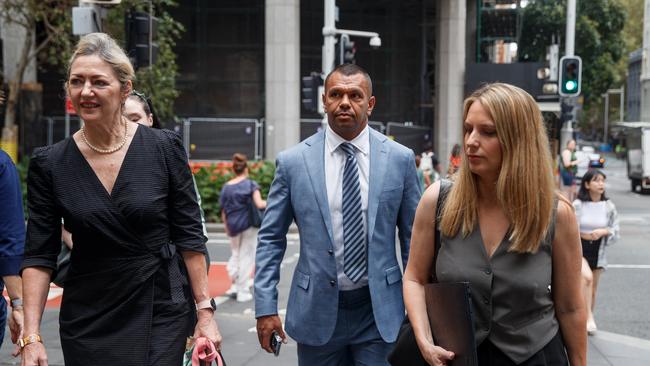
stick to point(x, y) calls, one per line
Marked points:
point(361, 142)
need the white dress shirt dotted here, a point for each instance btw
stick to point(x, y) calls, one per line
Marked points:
point(334, 166)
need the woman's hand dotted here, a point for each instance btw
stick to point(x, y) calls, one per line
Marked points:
point(597, 234)
point(207, 327)
point(434, 355)
point(34, 354)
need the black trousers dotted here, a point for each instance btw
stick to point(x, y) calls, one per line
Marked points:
point(553, 354)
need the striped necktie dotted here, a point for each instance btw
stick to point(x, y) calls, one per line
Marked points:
point(354, 254)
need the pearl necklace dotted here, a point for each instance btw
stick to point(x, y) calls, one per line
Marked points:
point(104, 151)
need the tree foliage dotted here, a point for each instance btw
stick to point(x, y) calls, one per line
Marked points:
point(598, 41)
point(159, 80)
point(51, 44)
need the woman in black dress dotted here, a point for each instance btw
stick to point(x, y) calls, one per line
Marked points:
point(138, 264)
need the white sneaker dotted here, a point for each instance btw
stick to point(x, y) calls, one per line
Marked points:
point(244, 296)
point(591, 327)
point(232, 291)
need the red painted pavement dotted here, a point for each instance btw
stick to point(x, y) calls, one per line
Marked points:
point(218, 278)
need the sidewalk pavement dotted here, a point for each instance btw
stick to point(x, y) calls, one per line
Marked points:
point(605, 349)
point(218, 227)
point(611, 349)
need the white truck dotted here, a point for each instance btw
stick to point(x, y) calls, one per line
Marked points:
point(638, 157)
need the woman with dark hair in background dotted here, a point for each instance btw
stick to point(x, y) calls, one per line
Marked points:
point(599, 229)
point(236, 197)
point(139, 109)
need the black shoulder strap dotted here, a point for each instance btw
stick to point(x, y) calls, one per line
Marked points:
point(445, 187)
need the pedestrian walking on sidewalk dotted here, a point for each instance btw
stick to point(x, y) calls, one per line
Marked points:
point(454, 161)
point(12, 245)
point(137, 284)
point(568, 170)
point(506, 231)
point(599, 229)
point(237, 197)
point(347, 188)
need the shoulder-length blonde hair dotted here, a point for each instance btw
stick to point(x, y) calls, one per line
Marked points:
point(525, 187)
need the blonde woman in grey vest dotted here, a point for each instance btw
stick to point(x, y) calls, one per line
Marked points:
point(506, 231)
point(599, 229)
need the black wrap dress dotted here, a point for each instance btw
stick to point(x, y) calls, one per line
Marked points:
point(127, 299)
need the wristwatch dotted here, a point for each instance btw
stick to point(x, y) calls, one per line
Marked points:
point(32, 338)
point(16, 303)
point(207, 304)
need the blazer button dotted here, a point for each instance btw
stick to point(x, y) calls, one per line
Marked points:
point(332, 283)
point(330, 252)
point(488, 271)
point(486, 300)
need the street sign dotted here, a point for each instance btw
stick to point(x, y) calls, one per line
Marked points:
point(69, 109)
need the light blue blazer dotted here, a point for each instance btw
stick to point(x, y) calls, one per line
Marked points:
point(298, 192)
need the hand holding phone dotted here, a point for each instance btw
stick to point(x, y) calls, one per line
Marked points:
point(276, 342)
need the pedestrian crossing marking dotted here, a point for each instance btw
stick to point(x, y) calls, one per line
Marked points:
point(629, 266)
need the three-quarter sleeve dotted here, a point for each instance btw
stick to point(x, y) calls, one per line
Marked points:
point(43, 240)
point(186, 230)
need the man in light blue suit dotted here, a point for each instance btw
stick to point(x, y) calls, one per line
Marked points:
point(348, 188)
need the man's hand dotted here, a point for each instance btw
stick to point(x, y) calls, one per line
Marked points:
point(34, 355)
point(265, 326)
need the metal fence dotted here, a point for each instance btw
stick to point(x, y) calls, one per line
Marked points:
point(220, 138)
point(411, 136)
point(60, 127)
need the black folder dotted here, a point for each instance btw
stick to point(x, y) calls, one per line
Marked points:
point(450, 315)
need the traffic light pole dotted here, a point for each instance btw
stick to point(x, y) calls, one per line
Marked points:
point(329, 42)
point(566, 134)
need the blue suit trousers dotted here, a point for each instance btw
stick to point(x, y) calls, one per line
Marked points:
point(356, 339)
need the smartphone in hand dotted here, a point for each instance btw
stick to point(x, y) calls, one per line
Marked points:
point(276, 342)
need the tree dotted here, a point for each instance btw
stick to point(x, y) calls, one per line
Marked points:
point(52, 17)
point(159, 80)
point(598, 41)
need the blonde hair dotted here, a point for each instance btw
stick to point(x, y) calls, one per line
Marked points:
point(105, 47)
point(525, 188)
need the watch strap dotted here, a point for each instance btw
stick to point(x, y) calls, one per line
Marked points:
point(17, 302)
point(32, 338)
point(207, 304)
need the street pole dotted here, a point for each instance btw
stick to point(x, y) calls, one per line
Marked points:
point(566, 133)
point(621, 113)
point(645, 65)
point(569, 47)
point(329, 41)
point(329, 36)
point(606, 119)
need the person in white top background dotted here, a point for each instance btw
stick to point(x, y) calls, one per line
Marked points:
point(599, 228)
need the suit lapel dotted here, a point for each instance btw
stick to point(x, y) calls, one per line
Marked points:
point(314, 159)
point(378, 164)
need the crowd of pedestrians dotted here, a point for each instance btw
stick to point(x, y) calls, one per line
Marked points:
point(122, 191)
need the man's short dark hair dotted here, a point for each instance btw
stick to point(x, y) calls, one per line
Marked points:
point(351, 69)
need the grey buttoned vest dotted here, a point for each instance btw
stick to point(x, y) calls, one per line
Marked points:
point(511, 292)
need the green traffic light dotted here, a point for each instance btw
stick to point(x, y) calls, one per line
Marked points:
point(570, 85)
